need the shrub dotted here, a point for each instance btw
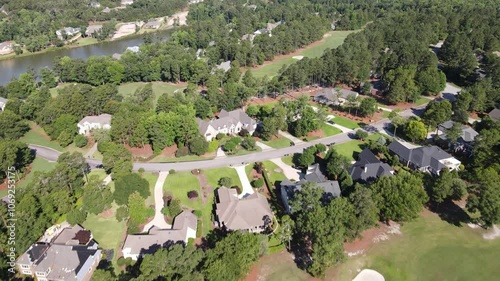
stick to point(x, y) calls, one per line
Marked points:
point(230, 146)
point(361, 134)
point(76, 216)
point(249, 143)
point(258, 183)
point(243, 133)
point(182, 151)
point(219, 136)
point(238, 189)
point(259, 167)
point(192, 194)
point(80, 141)
point(320, 148)
point(198, 146)
point(174, 207)
point(213, 145)
point(128, 261)
point(225, 181)
point(171, 171)
point(141, 170)
point(120, 262)
point(121, 213)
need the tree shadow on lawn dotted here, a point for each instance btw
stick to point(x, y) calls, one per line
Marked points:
point(450, 212)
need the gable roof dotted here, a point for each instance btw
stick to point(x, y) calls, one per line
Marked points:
point(241, 214)
point(369, 167)
point(468, 133)
point(495, 114)
point(227, 119)
point(103, 119)
point(224, 65)
point(401, 150)
point(65, 262)
point(314, 174)
point(330, 94)
point(424, 156)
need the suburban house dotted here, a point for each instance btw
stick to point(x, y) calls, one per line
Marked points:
point(3, 102)
point(369, 167)
point(126, 2)
point(251, 213)
point(431, 159)
point(184, 228)
point(288, 188)
point(465, 142)
point(88, 123)
point(269, 27)
point(68, 31)
point(495, 114)
point(224, 66)
point(228, 122)
point(66, 253)
point(95, 4)
point(93, 29)
point(6, 48)
point(332, 96)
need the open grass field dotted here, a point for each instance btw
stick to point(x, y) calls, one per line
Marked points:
point(352, 148)
point(329, 130)
point(159, 88)
point(179, 184)
point(38, 136)
point(344, 122)
point(331, 40)
point(430, 249)
point(86, 41)
point(38, 165)
point(213, 176)
point(280, 142)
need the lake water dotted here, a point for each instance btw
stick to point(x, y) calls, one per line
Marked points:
point(14, 67)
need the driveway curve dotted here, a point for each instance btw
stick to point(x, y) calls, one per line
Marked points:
point(159, 218)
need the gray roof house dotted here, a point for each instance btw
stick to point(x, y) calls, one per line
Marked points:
point(225, 66)
point(68, 31)
point(288, 188)
point(369, 167)
point(3, 102)
point(431, 159)
point(250, 213)
point(137, 245)
point(228, 122)
point(333, 96)
point(495, 114)
point(70, 255)
point(92, 29)
point(468, 134)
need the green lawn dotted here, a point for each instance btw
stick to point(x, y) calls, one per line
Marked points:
point(288, 160)
point(40, 165)
point(422, 100)
point(280, 142)
point(329, 130)
point(273, 175)
point(151, 178)
point(37, 136)
point(162, 158)
point(179, 184)
point(159, 88)
point(213, 176)
point(430, 249)
point(331, 40)
point(352, 148)
point(344, 122)
point(98, 172)
point(86, 41)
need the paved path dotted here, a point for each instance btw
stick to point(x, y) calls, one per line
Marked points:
point(159, 218)
point(288, 171)
point(342, 128)
point(91, 151)
point(220, 153)
point(290, 137)
point(450, 92)
point(263, 146)
point(384, 108)
point(107, 180)
point(246, 187)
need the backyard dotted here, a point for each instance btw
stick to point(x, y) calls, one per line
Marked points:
point(159, 88)
point(330, 40)
point(38, 136)
point(352, 148)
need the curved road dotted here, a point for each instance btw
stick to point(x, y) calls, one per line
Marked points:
point(52, 155)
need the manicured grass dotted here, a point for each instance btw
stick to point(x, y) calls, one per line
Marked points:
point(38, 165)
point(162, 158)
point(344, 122)
point(273, 175)
point(329, 130)
point(331, 40)
point(38, 136)
point(86, 41)
point(352, 148)
point(274, 244)
point(242, 151)
point(288, 160)
point(430, 249)
point(422, 100)
point(159, 88)
point(280, 142)
point(213, 176)
point(98, 172)
point(179, 184)
point(151, 178)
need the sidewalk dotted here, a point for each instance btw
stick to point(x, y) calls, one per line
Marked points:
point(290, 137)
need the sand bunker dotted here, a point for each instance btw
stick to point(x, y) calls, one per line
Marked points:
point(369, 275)
point(298, 57)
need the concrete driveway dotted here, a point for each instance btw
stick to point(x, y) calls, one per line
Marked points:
point(159, 218)
point(290, 137)
point(289, 172)
point(246, 187)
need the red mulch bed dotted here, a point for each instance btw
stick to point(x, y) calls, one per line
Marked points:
point(106, 213)
point(261, 101)
point(140, 152)
point(169, 151)
point(317, 133)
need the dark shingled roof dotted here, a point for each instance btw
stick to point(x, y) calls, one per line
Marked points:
point(369, 167)
point(495, 114)
point(423, 156)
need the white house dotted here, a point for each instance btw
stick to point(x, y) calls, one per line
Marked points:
point(3, 102)
point(184, 228)
point(88, 123)
point(228, 122)
point(68, 31)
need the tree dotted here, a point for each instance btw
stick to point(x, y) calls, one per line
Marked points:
point(232, 256)
point(225, 181)
point(401, 84)
point(365, 209)
point(13, 127)
point(486, 198)
point(309, 121)
point(76, 216)
point(447, 186)
point(96, 196)
point(192, 194)
point(198, 146)
point(249, 143)
point(121, 213)
point(128, 184)
point(396, 120)
point(80, 141)
point(14, 154)
point(431, 81)
point(361, 134)
point(368, 106)
point(285, 230)
point(458, 55)
point(307, 157)
point(65, 138)
point(415, 130)
point(174, 207)
point(116, 159)
point(137, 210)
point(454, 132)
point(48, 77)
point(400, 197)
point(103, 275)
point(437, 112)
point(336, 163)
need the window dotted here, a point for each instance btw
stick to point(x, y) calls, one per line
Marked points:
point(27, 272)
point(24, 266)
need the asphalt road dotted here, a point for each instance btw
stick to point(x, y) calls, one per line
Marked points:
point(52, 155)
